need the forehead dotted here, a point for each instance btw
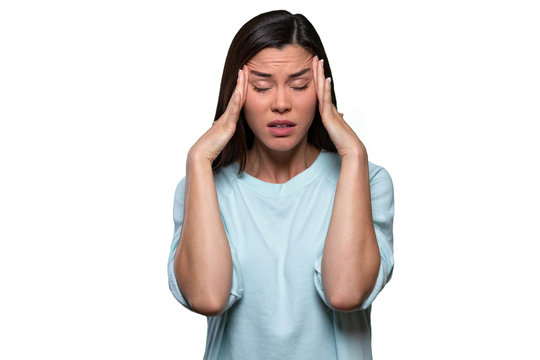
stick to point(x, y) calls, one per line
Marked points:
point(289, 59)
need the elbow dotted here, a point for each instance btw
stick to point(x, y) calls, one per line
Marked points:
point(345, 297)
point(347, 302)
point(208, 307)
point(201, 300)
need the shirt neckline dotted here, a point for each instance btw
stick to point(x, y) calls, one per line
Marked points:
point(295, 183)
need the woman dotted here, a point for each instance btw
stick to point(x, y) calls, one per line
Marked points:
point(283, 229)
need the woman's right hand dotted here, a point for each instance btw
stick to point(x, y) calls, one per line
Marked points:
point(216, 138)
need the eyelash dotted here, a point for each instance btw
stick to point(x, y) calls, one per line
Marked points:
point(261, 90)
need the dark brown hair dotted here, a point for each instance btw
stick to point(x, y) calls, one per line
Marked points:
point(272, 29)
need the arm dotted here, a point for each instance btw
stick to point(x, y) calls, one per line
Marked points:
point(382, 207)
point(202, 263)
point(351, 260)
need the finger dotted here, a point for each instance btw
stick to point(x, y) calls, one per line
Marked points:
point(246, 81)
point(320, 79)
point(314, 69)
point(327, 95)
point(320, 82)
point(235, 103)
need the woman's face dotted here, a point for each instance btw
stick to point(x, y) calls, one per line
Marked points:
point(281, 99)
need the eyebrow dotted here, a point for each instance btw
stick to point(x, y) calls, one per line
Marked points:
point(266, 75)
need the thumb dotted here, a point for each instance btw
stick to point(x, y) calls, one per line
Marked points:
point(236, 102)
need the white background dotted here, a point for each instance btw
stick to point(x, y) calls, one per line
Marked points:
point(101, 100)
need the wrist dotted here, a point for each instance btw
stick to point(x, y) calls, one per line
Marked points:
point(356, 154)
point(195, 157)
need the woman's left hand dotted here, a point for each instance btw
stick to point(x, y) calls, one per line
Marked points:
point(346, 141)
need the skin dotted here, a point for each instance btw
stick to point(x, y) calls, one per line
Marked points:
point(351, 257)
point(278, 95)
point(203, 264)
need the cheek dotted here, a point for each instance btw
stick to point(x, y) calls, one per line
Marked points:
point(307, 104)
point(253, 106)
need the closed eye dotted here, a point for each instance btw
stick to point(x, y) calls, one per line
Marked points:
point(260, 90)
point(301, 87)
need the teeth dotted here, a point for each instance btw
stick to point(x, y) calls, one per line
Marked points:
point(281, 126)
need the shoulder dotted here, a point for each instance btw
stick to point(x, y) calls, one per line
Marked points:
point(180, 190)
point(382, 189)
point(223, 179)
point(378, 175)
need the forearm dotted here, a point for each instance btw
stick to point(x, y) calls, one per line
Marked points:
point(203, 263)
point(351, 258)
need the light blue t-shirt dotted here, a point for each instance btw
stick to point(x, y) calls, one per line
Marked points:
point(277, 307)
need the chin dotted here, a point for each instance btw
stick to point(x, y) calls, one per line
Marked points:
point(280, 144)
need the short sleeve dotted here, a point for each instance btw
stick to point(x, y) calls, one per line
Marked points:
point(382, 206)
point(178, 217)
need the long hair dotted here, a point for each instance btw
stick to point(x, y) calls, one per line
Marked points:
point(275, 29)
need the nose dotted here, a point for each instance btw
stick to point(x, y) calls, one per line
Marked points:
point(280, 102)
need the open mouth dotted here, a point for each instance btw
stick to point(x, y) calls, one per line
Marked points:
point(280, 124)
point(281, 128)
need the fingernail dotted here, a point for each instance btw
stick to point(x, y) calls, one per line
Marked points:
point(322, 60)
point(329, 79)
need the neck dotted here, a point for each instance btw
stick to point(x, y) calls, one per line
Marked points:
point(279, 166)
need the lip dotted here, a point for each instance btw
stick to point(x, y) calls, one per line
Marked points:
point(281, 131)
point(281, 122)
